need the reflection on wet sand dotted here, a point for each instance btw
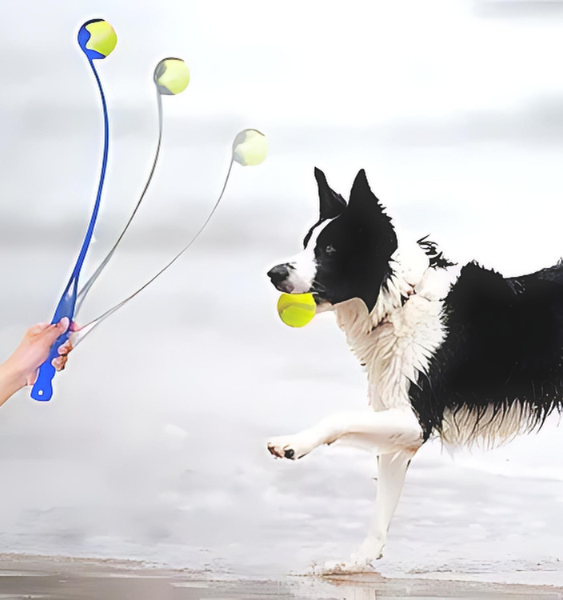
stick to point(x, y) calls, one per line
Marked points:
point(112, 580)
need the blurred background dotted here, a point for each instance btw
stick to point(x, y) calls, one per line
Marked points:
point(153, 446)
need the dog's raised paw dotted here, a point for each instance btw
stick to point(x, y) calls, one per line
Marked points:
point(281, 448)
point(292, 447)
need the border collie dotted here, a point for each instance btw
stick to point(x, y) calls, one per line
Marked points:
point(461, 353)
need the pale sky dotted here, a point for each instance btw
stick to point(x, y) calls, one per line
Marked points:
point(451, 106)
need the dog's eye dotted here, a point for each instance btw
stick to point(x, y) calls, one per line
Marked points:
point(330, 249)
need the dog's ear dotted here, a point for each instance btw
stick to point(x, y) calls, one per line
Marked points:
point(362, 199)
point(376, 232)
point(366, 210)
point(331, 203)
point(365, 206)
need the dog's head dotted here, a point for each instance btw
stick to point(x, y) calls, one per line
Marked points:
point(346, 253)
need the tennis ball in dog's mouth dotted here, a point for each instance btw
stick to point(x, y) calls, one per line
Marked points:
point(296, 310)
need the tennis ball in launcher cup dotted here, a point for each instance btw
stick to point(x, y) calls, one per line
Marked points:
point(250, 147)
point(97, 39)
point(171, 76)
point(297, 310)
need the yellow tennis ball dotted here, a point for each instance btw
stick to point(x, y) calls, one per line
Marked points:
point(250, 147)
point(103, 38)
point(296, 310)
point(171, 76)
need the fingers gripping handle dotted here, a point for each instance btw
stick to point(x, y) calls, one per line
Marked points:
point(43, 388)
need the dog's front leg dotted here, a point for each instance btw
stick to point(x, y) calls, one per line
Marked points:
point(394, 435)
point(392, 469)
point(384, 432)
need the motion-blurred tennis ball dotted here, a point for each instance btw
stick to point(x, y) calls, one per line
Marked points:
point(171, 76)
point(296, 310)
point(97, 38)
point(250, 147)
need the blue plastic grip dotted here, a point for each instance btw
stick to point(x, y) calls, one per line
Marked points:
point(43, 389)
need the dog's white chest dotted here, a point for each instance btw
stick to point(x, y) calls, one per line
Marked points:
point(400, 348)
point(397, 349)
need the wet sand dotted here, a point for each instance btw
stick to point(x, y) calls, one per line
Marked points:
point(66, 579)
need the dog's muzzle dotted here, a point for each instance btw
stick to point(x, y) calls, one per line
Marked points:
point(279, 276)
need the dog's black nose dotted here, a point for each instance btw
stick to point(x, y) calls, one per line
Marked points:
point(278, 274)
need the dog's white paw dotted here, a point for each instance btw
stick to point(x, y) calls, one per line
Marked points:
point(362, 561)
point(370, 551)
point(292, 447)
point(348, 567)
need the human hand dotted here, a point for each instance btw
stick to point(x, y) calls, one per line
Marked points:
point(34, 350)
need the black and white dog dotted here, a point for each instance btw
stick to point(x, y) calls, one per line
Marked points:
point(462, 353)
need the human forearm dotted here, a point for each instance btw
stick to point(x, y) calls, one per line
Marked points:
point(10, 380)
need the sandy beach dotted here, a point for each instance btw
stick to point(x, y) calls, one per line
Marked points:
point(61, 578)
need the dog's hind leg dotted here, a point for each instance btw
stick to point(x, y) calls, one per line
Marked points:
point(385, 432)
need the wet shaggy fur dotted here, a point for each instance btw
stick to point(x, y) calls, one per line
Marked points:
point(502, 356)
